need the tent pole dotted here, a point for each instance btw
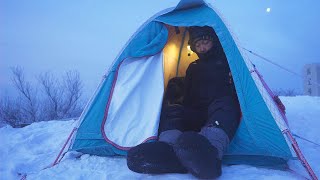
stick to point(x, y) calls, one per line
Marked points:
point(301, 157)
point(181, 46)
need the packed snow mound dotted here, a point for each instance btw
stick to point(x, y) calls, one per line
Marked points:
point(32, 148)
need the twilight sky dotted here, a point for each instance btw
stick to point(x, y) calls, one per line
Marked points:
point(58, 35)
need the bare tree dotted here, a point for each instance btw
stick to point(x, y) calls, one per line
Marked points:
point(53, 96)
point(28, 94)
point(10, 111)
point(63, 96)
point(57, 98)
point(73, 92)
point(285, 92)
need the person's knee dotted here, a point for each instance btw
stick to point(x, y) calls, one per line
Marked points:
point(225, 103)
point(171, 117)
point(224, 113)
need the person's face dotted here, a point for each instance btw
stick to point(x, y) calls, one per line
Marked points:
point(203, 46)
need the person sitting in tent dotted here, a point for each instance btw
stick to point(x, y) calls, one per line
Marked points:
point(194, 135)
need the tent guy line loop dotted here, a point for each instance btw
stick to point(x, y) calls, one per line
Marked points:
point(275, 64)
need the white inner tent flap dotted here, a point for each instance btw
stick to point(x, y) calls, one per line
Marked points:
point(135, 107)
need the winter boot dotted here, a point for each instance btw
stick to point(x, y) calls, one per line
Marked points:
point(154, 158)
point(217, 138)
point(197, 154)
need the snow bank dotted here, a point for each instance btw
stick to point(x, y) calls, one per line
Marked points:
point(32, 148)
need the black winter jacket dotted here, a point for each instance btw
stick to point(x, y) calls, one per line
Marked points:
point(206, 79)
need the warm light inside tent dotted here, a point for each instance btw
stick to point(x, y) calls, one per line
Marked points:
point(190, 52)
point(177, 54)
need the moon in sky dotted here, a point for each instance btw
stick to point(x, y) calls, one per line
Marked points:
point(268, 10)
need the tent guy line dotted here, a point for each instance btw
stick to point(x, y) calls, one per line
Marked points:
point(277, 65)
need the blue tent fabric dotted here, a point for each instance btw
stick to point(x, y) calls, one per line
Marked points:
point(187, 4)
point(257, 124)
point(89, 139)
point(258, 141)
point(149, 41)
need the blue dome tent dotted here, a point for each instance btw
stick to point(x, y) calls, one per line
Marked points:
point(125, 109)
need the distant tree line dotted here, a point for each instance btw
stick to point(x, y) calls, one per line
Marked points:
point(50, 98)
point(286, 92)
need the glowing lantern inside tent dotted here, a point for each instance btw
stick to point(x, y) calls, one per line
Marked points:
point(190, 52)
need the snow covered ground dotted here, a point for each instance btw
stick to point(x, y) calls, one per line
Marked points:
point(32, 148)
